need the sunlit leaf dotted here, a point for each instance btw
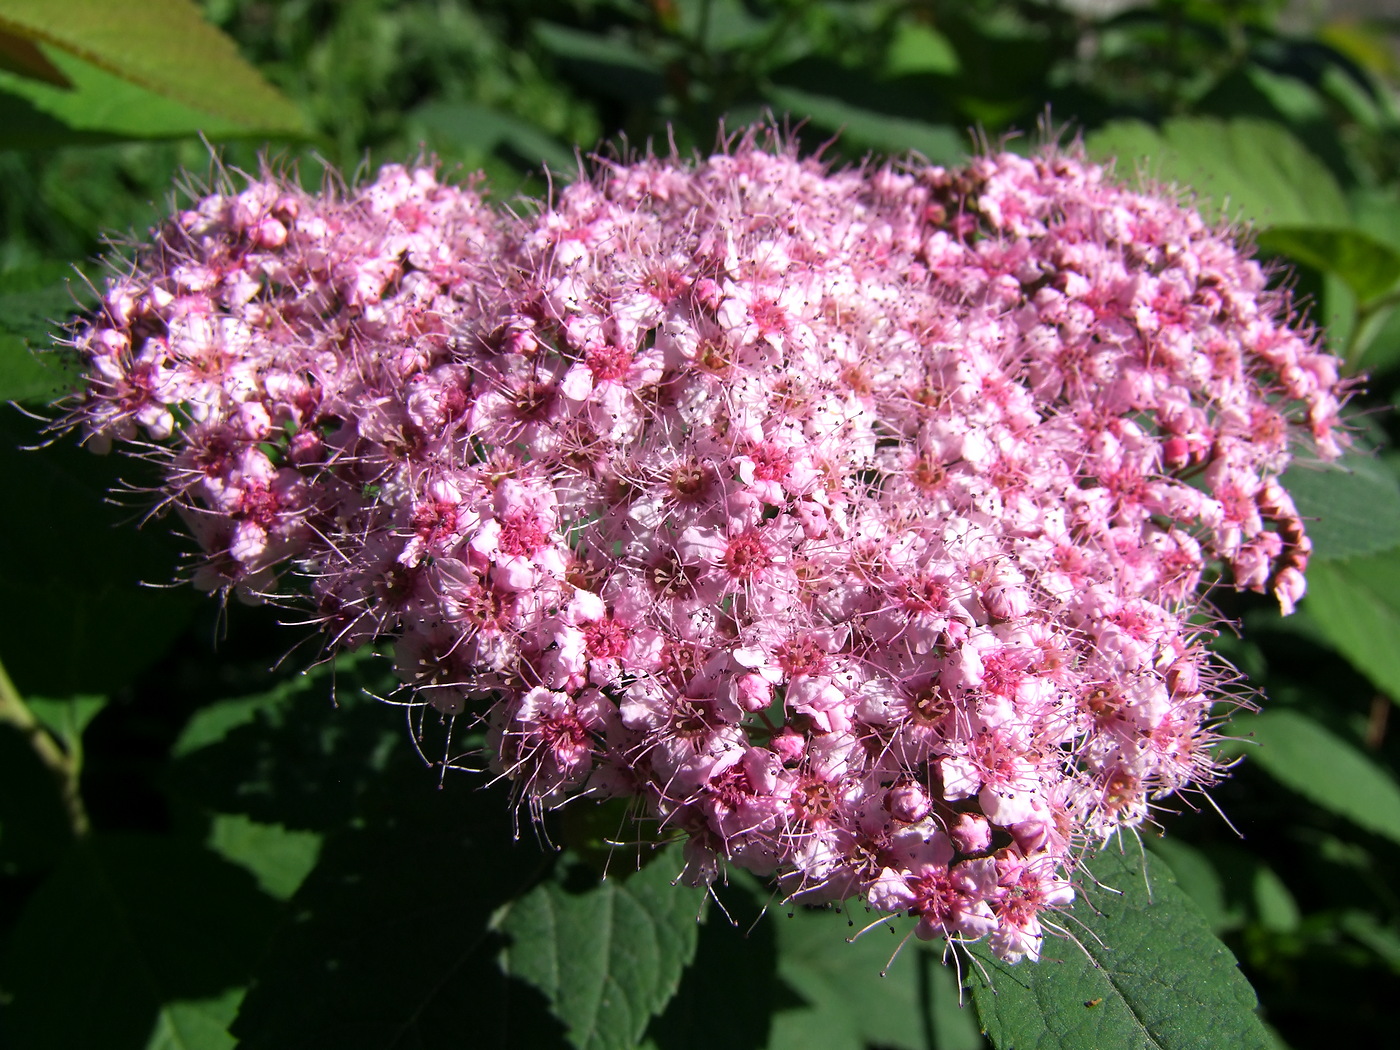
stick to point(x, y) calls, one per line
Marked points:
point(918, 48)
point(18, 54)
point(1356, 604)
point(1146, 974)
point(102, 107)
point(1323, 768)
point(66, 718)
point(165, 46)
point(1242, 168)
point(607, 957)
point(1369, 267)
point(1351, 507)
point(279, 858)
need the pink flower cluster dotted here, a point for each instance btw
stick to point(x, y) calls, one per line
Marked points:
point(855, 522)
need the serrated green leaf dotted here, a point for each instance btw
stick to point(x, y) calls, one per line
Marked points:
point(805, 986)
point(1243, 168)
point(209, 725)
point(134, 940)
point(866, 129)
point(279, 858)
point(1352, 506)
point(1323, 768)
point(1147, 974)
point(33, 302)
point(1356, 604)
point(1368, 266)
point(608, 958)
point(165, 46)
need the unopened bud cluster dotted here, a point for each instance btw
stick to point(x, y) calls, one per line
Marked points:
point(853, 522)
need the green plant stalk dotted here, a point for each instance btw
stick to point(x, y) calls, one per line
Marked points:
point(65, 767)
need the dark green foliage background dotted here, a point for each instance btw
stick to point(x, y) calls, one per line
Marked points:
point(201, 846)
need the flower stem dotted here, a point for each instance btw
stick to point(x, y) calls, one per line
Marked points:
point(60, 764)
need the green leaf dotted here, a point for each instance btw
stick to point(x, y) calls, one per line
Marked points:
point(853, 996)
point(607, 958)
point(917, 48)
point(19, 55)
point(1273, 901)
point(279, 858)
point(1198, 879)
point(1243, 168)
point(1369, 267)
point(867, 129)
point(1351, 506)
point(99, 107)
point(135, 940)
point(196, 1024)
point(33, 303)
point(66, 718)
point(165, 46)
point(1377, 211)
point(24, 126)
point(1323, 768)
point(610, 66)
point(727, 25)
point(1356, 604)
point(1147, 974)
point(482, 129)
point(1384, 941)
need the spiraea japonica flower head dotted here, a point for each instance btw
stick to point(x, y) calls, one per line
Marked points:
point(857, 523)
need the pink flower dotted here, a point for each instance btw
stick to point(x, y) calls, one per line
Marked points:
point(849, 521)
